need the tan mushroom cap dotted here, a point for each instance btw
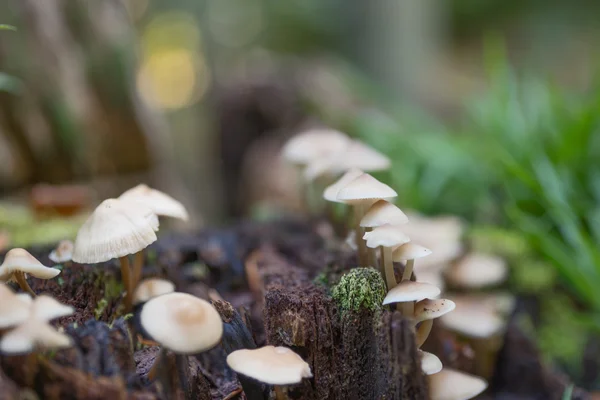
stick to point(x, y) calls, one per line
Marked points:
point(449, 384)
point(365, 188)
point(430, 363)
point(474, 319)
point(46, 308)
point(13, 309)
point(432, 308)
point(63, 252)
point(410, 291)
point(410, 251)
point(269, 364)
point(381, 213)
point(150, 288)
point(331, 192)
point(386, 236)
point(477, 270)
point(182, 323)
point(31, 335)
point(22, 260)
point(159, 202)
point(115, 229)
point(313, 144)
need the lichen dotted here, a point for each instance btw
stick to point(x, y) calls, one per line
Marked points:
point(361, 288)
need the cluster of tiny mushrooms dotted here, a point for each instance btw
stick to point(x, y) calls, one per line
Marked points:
point(123, 227)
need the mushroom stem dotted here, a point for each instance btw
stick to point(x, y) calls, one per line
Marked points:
point(408, 270)
point(138, 263)
point(372, 254)
point(156, 365)
point(20, 277)
point(280, 393)
point(423, 332)
point(360, 242)
point(388, 267)
point(126, 275)
point(408, 308)
point(182, 365)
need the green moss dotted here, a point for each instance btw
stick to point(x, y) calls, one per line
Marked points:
point(361, 288)
point(100, 307)
point(322, 279)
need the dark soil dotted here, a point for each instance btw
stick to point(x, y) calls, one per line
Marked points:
point(260, 278)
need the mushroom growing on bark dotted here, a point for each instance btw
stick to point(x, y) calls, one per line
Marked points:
point(449, 384)
point(116, 229)
point(19, 262)
point(386, 237)
point(430, 363)
point(278, 366)
point(426, 311)
point(408, 252)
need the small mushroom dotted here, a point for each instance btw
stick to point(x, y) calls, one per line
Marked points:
point(474, 319)
point(386, 237)
point(361, 193)
point(411, 291)
point(278, 366)
point(409, 252)
point(63, 252)
point(331, 192)
point(314, 144)
point(116, 229)
point(430, 363)
point(159, 202)
point(19, 262)
point(13, 308)
point(150, 288)
point(181, 323)
point(449, 384)
point(477, 270)
point(426, 311)
point(46, 308)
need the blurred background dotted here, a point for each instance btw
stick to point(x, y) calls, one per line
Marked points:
point(490, 110)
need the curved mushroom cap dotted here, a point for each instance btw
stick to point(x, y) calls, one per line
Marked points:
point(365, 188)
point(386, 236)
point(432, 308)
point(359, 155)
point(46, 308)
point(474, 319)
point(478, 270)
point(31, 335)
point(430, 363)
point(449, 384)
point(13, 309)
point(63, 252)
point(381, 213)
point(269, 364)
point(22, 260)
point(115, 229)
point(410, 291)
point(312, 144)
point(182, 323)
point(159, 202)
point(331, 191)
point(150, 288)
point(410, 251)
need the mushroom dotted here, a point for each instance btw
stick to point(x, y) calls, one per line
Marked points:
point(314, 144)
point(19, 262)
point(150, 288)
point(63, 252)
point(381, 213)
point(331, 192)
point(430, 363)
point(449, 384)
point(116, 229)
point(361, 193)
point(181, 323)
point(426, 311)
point(276, 366)
point(408, 253)
point(13, 308)
point(477, 270)
point(410, 291)
point(386, 237)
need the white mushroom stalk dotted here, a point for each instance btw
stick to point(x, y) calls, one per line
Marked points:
point(385, 238)
point(19, 262)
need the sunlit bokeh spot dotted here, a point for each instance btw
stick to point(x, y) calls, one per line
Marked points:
point(172, 29)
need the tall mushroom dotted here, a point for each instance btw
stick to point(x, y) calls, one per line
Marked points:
point(387, 237)
point(361, 193)
point(116, 229)
point(408, 253)
point(19, 262)
point(278, 366)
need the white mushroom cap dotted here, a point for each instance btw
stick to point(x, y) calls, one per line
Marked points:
point(150, 288)
point(25, 298)
point(31, 335)
point(13, 309)
point(63, 252)
point(449, 384)
point(46, 308)
point(116, 228)
point(381, 213)
point(269, 364)
point(431, 276)
point(386, 236)
point(331, 192)
point(473, 318)
point(477, 270)
point(363, 189)
point(312, 144)
point(360, 155)
point(22, 260)
point(319, 167)
point(432, 308)
point(430, 363)
point(182, 323)
point(410, 291)
point(159, 202)
point(410, 251)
